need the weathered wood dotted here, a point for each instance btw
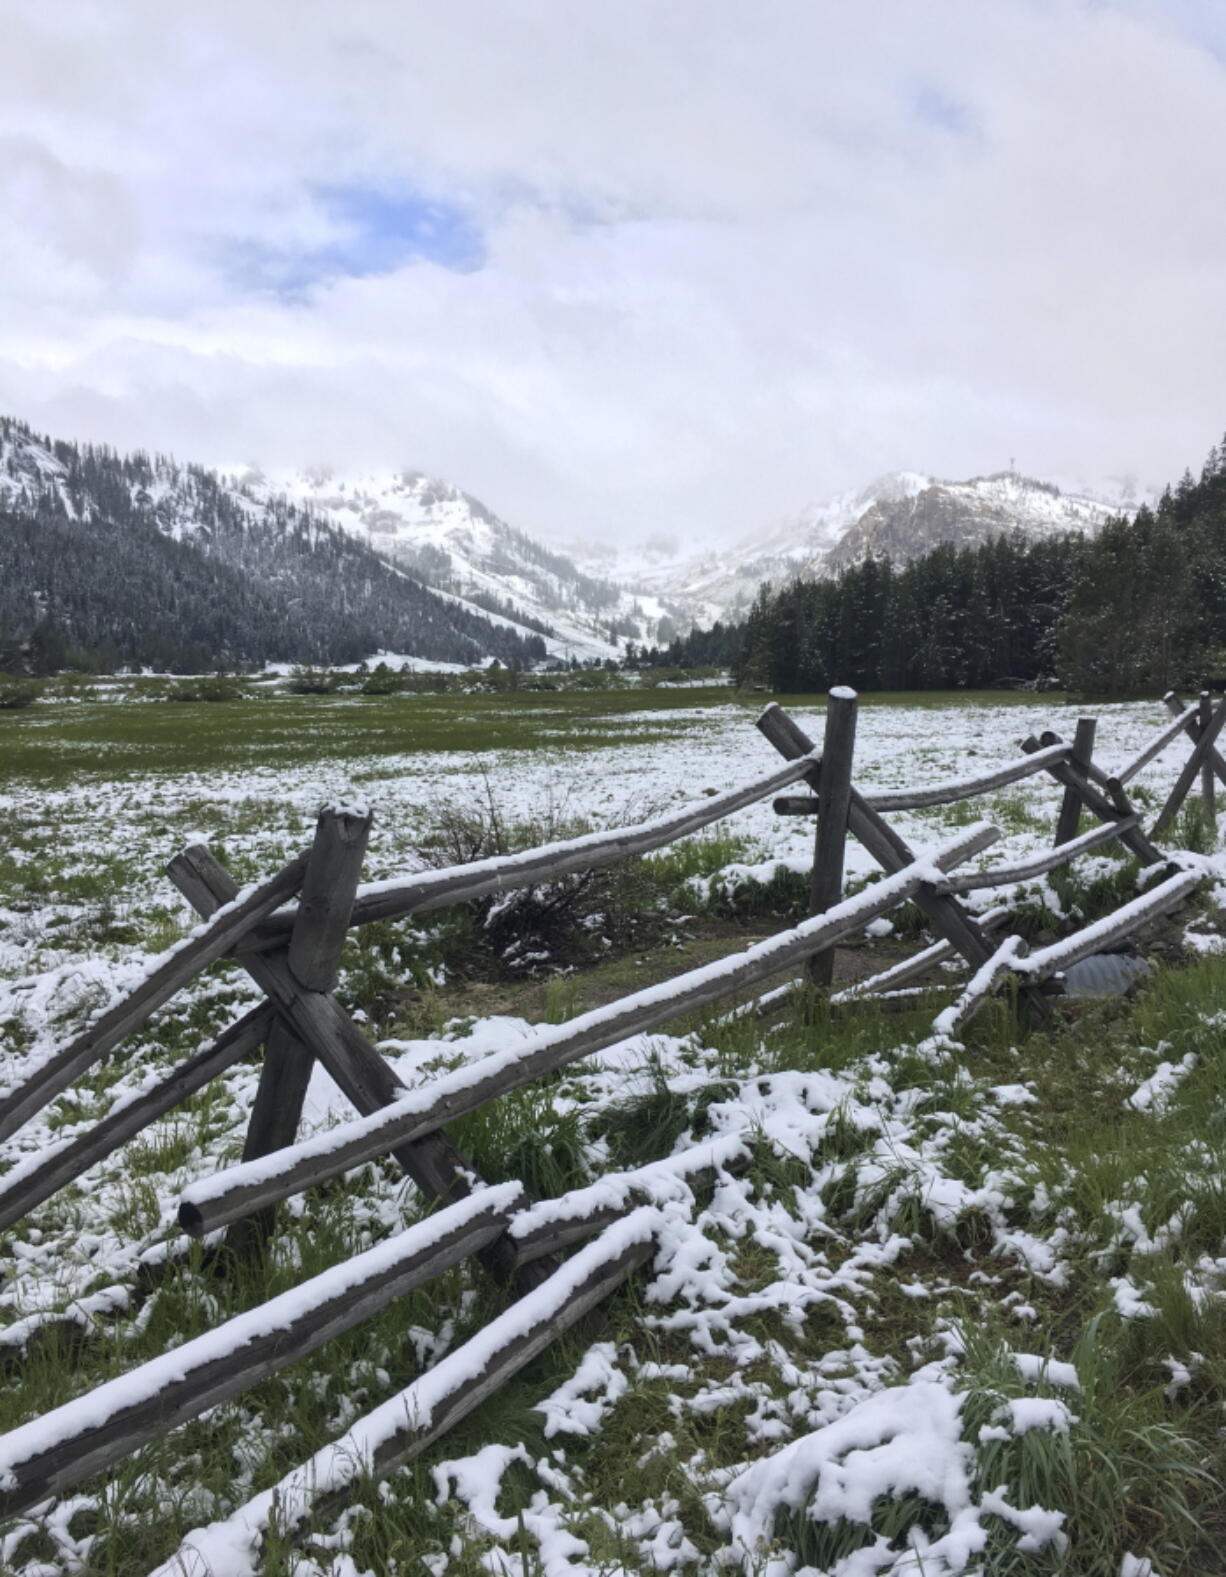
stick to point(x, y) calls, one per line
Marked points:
point(1191, 727)
point(326, 901)
point(1027, 870)
point(406, 1424)
point(324, 907)
point(429, 890)
point(834, 795)
point(178, 967)
point(982, 986)
point(1099, 805)
point(1200, 754)
point(45, 1173)
point(322, 1025)
point(937, 793)
point(553, 1225)
point(1079, 761)
point(1205, 714)
point(881, 841)
point(968, 788)
point(1157, 744)
point(1104, 934)
point(85, 1436)
point(216, 1201)
point(899, 974)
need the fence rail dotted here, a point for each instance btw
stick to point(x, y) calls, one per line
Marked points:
point(291, 951)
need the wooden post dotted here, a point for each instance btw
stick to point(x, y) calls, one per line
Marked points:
point(1203, 752)
point(324, 907)
point(834, 799)
point(1206, 771)
point(1117, 809)
point(1079, 762)
point(942, 911)
point(1192, 728)
point(367, 1079)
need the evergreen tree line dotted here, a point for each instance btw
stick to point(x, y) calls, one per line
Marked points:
point(116, 561)
point(1138, 608)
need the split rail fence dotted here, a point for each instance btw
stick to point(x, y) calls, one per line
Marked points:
point(287, 933)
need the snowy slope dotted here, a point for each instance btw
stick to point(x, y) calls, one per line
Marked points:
point(903, 514)
point(456, 544)
point(275, 578)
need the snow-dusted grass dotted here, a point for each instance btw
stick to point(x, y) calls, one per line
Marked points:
point(964, 1300)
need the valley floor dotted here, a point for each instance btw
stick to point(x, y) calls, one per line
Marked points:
point(957, 1307)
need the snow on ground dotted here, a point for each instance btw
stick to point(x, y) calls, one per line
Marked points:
point(831, 1428)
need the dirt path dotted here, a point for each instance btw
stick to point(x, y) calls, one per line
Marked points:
point(700, 941)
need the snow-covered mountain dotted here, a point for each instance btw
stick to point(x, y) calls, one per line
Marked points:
point(457, 545)
point(139, 558)
point(903, 515)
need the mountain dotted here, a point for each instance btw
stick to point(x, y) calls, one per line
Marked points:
point(454, 543)
point(141, 560)
point(902, 515)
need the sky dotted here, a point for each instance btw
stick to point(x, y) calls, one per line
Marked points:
point(624, 269)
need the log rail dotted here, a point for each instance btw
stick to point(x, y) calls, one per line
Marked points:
point(291, 951)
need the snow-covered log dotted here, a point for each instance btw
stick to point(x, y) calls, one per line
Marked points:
point(1027, 870)
point(92, 1432)
point(48, 1170)
point(427, 890)
point(403, 1426)
point(215, 1201)
point(1157, 744)
point(1112, 928)
point(175, 969)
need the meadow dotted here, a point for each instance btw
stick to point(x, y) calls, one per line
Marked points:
point(960, 1309)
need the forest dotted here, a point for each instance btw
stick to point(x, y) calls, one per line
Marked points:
point(1137, 608)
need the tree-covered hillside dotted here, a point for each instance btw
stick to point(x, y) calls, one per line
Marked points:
point(1138, 607)
point(115, 560)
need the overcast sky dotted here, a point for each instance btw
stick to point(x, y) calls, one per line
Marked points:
point(620, 267)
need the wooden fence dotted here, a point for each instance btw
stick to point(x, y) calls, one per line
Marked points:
point(287, 933)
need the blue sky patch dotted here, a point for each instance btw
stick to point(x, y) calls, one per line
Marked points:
point(379, 229)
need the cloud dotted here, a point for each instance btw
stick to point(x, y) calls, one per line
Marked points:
point(619, 268)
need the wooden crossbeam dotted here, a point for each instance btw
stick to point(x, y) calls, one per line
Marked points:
point(1192, 727)
point(317, 1019)
point(175, 970)
point(1201, 758)
point(53, 1168)
point(1115, 808)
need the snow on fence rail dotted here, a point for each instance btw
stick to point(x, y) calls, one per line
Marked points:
point(291, 951)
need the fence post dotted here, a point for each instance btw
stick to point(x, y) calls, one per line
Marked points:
point(1192, 727)
point(1206, 771)
point(1203, 753)
point(366, 1078)
point(324, 906)
point(1079, 762)
point(834, 801)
